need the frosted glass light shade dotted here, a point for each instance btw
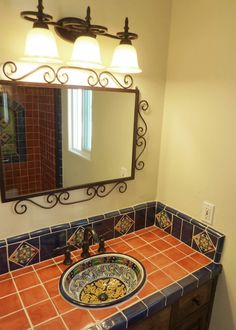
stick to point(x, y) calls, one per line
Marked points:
point(86, 53)
point(125, 59)
point(41, 46)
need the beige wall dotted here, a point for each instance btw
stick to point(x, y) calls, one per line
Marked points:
point(198, 149)
point(150, 19)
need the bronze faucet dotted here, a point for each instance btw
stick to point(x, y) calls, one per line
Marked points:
point(89, 233)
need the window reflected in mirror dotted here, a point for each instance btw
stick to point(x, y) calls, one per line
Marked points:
point(65, 137)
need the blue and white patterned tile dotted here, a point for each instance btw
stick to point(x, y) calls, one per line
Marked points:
point(124, 224)
point(24, 253)
point(76, 237)
point(163, 220)
point(204, 242)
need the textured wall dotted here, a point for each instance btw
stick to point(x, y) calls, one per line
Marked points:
point(198, 153)
point(150, 20)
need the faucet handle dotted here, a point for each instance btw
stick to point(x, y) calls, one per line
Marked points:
point(101, 247)
point(67, 252)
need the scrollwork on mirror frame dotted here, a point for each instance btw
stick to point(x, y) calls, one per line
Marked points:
point(141, 132)
point(63, 197)
point(51, 75)
point(61, 75)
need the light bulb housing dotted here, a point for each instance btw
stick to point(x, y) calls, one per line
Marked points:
point(125, 59)
point(86, 53)
point(40, 46)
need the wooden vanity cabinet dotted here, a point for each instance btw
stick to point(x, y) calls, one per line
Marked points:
point(191, 312)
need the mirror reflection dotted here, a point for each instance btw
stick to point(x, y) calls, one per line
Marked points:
point(64, 137)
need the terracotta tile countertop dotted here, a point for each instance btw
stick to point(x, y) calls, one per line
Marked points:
point(30, 298)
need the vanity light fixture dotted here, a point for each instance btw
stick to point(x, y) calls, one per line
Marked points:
point(41, 44)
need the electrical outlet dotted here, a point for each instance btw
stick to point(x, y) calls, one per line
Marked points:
point(208, 212)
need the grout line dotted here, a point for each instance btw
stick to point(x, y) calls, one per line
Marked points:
point(24, 308)
point(58, 314)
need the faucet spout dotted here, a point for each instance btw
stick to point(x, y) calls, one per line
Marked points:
point(89, 232)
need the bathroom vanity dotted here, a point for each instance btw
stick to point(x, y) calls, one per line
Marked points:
point(178, 292)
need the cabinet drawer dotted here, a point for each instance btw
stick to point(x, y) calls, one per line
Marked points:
point(158, 321)
point(193, 301)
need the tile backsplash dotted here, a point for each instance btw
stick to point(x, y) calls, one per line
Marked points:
point(29, 248)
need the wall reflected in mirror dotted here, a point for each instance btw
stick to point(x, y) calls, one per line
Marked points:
point(61, 138)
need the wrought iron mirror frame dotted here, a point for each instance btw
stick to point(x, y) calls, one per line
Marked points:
point(96, 81)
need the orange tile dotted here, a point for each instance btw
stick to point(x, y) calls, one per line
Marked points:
point(147, 250)
point(144, 230)
point(62, 305)
point(189, 264)
point(176, 272)
point(135, 242)
point(22, 271)
point(160, 260)
point(115, 241)
point(149, 267)
point(109, 249)
point(10, 304)
point(78, 319)
point(174, 254)
point(33, 295)
point(77, 253)
point(41, 312)
point(49, 273)
point(43, 264)
point(128, 303)
point(59, 259)
point(159, 279)
point(172, 240)
point(121, 247)
point(52, 287)
point(148, 237)
point(161, 245)
point(185, 249)
point(135, 254)
point(94, 247)
point(127, 236)
point(63, 267)
point(147, 290)
point(7, 287)
point(101, 314)
point(5, 276)
point(159, 232)
point(16, 321)
point(200, 258)
point(27, 280)
point(55, 324)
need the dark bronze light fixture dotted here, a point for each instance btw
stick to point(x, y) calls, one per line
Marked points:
point(41, 44)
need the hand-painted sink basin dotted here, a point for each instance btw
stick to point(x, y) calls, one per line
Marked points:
point(102, 280)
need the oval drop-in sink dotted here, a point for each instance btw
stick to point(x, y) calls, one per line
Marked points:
point(102, 280)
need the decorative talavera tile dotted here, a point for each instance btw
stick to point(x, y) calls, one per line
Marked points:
point(77, 237)
point(23, 254)
point(204, 242)
point(163, 220)
point(124, 224)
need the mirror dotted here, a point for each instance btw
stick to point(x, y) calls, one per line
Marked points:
point(65, 137)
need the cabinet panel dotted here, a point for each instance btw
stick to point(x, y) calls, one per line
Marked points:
point(159, 321)
point(193, 301)
point(197, 321)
